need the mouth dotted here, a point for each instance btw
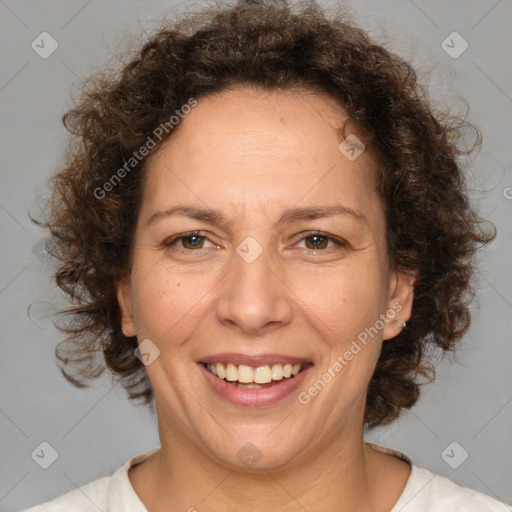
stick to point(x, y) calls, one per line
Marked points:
point(254, 381)
point(258, 377)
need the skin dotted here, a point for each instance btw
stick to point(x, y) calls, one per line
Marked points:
point(251, 155)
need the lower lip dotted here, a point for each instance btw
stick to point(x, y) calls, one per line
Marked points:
point(254, 397)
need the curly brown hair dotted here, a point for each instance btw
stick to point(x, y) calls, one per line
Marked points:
point(433, 231)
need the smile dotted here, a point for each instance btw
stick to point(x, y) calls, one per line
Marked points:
point(254, 381)
point(262, 376)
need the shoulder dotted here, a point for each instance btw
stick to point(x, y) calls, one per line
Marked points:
point(429, 492)
point(89, 497)
point(108, 494)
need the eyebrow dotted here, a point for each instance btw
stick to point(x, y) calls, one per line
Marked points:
point(317, 212)
point(216, 217)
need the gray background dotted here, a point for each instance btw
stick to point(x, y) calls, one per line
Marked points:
point(96, 430)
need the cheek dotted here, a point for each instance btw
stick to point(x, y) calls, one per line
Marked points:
point(167, 304)
point(349, 300)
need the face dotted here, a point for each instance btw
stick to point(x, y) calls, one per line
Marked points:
point(260, 249)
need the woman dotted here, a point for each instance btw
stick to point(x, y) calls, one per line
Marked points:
point(263, 226)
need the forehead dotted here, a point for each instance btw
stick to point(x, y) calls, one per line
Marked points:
point(273, 146)
point(284, 123)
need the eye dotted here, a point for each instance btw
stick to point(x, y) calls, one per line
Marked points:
point(189, 241)
point(318, 241)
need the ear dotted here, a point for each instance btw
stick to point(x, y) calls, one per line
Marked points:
point(124, 298)
point(399, 306)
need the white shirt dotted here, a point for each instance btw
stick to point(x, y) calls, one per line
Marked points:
point(424, 492)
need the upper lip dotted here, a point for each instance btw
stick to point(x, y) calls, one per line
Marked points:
point(255, 361)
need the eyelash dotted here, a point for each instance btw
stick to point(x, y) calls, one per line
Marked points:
point(339, 242)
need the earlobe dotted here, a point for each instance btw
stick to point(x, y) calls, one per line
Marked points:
point(399, 305)
point(124, 300)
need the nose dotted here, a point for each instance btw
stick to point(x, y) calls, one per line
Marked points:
point(255, 297)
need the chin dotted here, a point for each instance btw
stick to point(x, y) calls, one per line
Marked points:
point(252, 451)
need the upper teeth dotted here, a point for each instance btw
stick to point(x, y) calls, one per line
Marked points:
point(259, 375)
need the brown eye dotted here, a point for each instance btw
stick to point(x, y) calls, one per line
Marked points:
point(320, 241)
point(187, 241)
point(192, 241)
point(316, 242)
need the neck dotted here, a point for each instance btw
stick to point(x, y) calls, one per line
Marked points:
point(339, 474)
